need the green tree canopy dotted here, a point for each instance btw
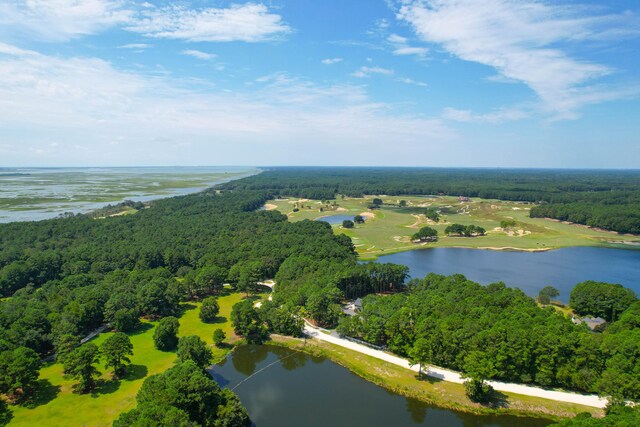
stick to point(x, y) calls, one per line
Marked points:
point(193, 348)
point(19, 371)
point(426, 234)
point(186, 389)
point(347, 223)
point(218, 337)
point(606, 300)
point(115, 351)
point(432, 214)
point(165, 337)
point(80, 365)
point(209, 309)
point(247, 322)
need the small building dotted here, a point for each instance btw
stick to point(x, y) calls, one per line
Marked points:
point(463, 199)
point(352, 308)
point(594, 322)
point(591, 322)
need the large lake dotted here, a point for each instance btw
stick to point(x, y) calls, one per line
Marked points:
point(281, 387)
point(529, 271)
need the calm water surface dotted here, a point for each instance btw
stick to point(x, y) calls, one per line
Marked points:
point(281, 387)
point(529, 271)
point(335, 219)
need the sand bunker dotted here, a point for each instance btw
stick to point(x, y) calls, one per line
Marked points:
point(270, 207)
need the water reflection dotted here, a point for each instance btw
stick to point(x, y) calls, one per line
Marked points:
point(246, 358)
point(280, 388)
point(418, 410)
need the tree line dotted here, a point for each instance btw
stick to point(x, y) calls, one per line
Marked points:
point(604, 199)
point(496, 332)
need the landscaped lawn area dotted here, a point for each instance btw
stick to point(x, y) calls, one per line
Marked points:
point(58, 406)
point(391, 227)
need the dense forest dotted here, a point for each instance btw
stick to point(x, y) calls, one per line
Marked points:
point(63, 278)
point(605, 199)
point(453, 322)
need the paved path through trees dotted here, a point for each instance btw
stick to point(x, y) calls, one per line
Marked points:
point(452, 376)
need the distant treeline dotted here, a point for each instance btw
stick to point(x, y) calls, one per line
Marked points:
point(605, 199)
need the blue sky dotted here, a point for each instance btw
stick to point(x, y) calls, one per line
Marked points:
point(493, 83)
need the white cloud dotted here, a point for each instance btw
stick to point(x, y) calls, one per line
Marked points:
point(367, 71)
point(249, 22)
point(199, 54)
point(407, 50)
point(520, 39)
point(499, 116)
point(396, 39)
point(61, 20)
point(135, 46)
point(96, 113)
point(413, 82)
point(401, 47)
point(331, 61)
point(8, 49)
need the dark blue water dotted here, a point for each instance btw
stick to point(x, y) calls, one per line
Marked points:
point(335, 219)
point(529, 271)
point(281, 388)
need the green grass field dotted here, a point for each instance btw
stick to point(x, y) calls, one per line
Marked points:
point(56, 405)
point(390, 227)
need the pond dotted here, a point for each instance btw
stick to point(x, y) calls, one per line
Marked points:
point(282, 387)
point(336, 219)
point(529, 271)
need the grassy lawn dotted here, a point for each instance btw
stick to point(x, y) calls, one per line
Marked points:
point(390, 228)
point(439, 393)
point(58, 406)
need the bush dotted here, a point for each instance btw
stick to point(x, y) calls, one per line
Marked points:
point(347, 223)
point(193, 348)
point(218, 337)
point(478, 391)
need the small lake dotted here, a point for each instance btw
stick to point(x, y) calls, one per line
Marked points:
point(529, 271)
point(335, 219)
point(283, 388)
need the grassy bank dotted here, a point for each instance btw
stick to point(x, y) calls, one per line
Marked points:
point(390, 228)
point(57, 405)
point(439, 393)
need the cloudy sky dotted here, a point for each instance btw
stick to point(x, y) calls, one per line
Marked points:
point(523, 83)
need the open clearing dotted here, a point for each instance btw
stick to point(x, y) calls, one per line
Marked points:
point(58, 406)
point(389, 228)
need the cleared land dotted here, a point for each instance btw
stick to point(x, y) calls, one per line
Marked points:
point(389, 228)
point(60, 407)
